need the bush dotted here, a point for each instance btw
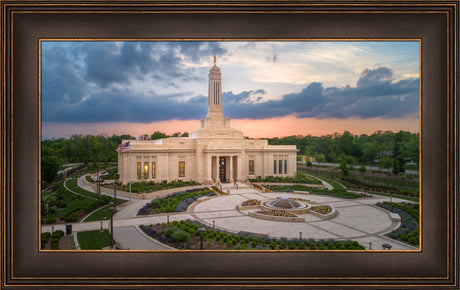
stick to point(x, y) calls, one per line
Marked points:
point(57, 234)
point(272, 245)
point(71, 217)
point(45, 237)
point(292, 246)
point(301, 246)
point(282, 246)
point(51, 221)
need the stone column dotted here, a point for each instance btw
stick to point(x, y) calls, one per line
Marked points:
point(217, 169)
point(231, 169)
point(208, 168)
point(142, 167)
point(150, 167)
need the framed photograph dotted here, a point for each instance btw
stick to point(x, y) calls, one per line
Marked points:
point(42, 46)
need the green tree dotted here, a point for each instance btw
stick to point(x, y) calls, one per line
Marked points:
point(398, 159)
point(157, 135)
point(49, 166)
point(344, 168)
point(386, 162)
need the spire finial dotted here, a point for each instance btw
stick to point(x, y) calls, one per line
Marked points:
point(215, 59)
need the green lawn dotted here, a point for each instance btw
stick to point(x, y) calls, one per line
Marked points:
point(100, 214)
point(72, 202)
point(72, 185)
point(93, 240)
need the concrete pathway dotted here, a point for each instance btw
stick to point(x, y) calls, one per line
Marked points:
point(357, 219)
point(124, 237)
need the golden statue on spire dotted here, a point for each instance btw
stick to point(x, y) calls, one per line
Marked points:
point(214, 59)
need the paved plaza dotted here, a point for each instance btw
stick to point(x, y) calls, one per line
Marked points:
point(357, 219)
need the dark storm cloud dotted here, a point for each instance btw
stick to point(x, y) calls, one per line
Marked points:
point(91, 83)
point(374, 96)
point(106, 63)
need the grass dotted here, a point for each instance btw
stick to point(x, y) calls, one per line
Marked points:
point(72, 202)
point(72, 185)
point(93, 240)
point(101, 214)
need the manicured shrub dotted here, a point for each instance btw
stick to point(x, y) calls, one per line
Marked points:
point(331, 246)
point(272, 245)
point(51, 221)
point(282, 246)
point(312, 246)
point(45, 236)
point(292, 246)
point(57, 234)
point(301, 246)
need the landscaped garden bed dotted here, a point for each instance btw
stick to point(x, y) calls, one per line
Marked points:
point(299, 178)
point(151, 186)
point(217, 190)
point(336, 192)
point(408, 231)
point(323, 211)
point(184, 235)
point(175, 202)
point(60, 205)
point(275, 214)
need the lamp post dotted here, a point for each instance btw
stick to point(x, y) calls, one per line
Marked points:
point(115, 194)
point(201, 231)
point(213, 224)
point(111, 226)
point(98, 183)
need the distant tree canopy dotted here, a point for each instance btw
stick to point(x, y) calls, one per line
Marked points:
point(89, 148)
point(389, 148)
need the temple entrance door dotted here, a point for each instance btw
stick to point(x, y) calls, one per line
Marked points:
point(222, 169)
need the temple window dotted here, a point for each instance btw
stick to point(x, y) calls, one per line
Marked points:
point(181, 168)
point(251, 167)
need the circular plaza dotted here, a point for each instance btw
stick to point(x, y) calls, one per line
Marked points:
point(353, 218)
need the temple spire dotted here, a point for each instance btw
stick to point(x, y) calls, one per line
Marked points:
point(215, 117)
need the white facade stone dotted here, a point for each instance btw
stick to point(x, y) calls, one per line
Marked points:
point(213, 153)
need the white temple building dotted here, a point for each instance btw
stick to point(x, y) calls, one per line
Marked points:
point(213, 153)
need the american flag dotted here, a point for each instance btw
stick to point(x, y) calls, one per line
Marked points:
point(124, 147)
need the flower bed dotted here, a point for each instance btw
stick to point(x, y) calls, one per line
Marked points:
point(184, 235)
point(217, 190)
point(176, 202)
point(274, 214)
point(151, 186)
point(251, 202)
point(408, 231)
point(277, 212)
point(323, 211)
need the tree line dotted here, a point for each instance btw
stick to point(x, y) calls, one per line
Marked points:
point(384, 147)
point(387, 147)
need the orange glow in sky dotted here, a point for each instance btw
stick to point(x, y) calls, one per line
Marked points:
point(273, 127)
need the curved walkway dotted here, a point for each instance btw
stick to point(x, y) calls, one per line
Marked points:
point(358, 219)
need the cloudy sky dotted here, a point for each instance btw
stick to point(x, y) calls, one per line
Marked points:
point(269, 88)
